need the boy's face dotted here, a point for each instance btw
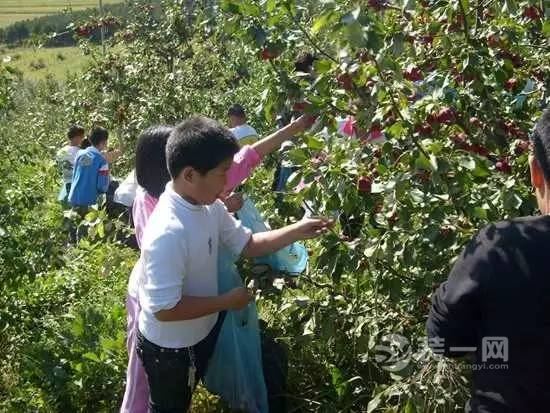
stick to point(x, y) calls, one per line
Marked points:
point(209, 187)
point(235, 121)
point(77, 140)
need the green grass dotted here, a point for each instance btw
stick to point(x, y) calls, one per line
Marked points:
point(37, 64)
point(12, 11)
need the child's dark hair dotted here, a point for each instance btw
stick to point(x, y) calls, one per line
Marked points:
point(541, 142)
point(151, 170)
point(98, 135)
point(85, 143)
point(200, 143)
point(237, 111)
point(74, 131)
point(304, 62)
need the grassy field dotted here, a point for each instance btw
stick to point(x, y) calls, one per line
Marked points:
point(15, 10)
point(37, 64)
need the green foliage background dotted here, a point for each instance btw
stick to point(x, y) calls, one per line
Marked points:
point(62, 307)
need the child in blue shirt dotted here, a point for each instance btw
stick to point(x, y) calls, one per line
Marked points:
point(91, 171)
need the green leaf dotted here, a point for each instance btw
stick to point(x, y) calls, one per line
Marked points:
point(250, 9)
point(546, 28)
point(258, 34)
point(422, 162)
point(375, 42)
point(466, 62)
point(309, 328)
point(481, 169)
point(271, 5)
point(512, 200)
point(468, 163)
point(322, 66)
point(355, 35)
point(298, 156)
point(397, 44)
point(338, 381)
point(480, 213)
point(509, 6)
point(91, 356)
point(351, 17)
point(409, 407)
point(416, 195)
point(433, 162)
point(409, 5)
point(377, 188)
point(230, 6)
point(322, 21)
point(314, 143)
point(374, 403)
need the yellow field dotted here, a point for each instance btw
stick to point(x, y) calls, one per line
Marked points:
point(37, 64)
point(16, 10)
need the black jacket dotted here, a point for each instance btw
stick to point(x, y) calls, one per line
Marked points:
point(497, 300)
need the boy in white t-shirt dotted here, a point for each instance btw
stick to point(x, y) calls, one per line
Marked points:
point(178, 289)
point(66, 157)
point(245, 134)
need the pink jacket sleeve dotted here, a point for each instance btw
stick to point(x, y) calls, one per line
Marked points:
point(143, 206)
point(244, 163)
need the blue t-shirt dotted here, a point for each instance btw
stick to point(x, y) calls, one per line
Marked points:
point(90, 177)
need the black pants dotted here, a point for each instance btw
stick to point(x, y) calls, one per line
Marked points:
point(167, 370)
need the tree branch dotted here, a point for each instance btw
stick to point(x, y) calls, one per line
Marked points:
point(465, 22)
point(309, 38)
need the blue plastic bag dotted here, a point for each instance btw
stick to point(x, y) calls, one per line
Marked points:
point(292, 259)
point(235, 370)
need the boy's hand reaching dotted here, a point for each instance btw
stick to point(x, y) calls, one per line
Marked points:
point(304, 122)
point(238, 298)
point(234, 202)
point(313, 227)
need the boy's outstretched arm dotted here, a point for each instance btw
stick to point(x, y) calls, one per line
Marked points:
point(275, 140)
point(263, 243)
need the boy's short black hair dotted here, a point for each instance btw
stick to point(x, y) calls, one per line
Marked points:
point(201, 143)
point(74, 131)
point(151, 170)
point(541, 142)
point(98, 135)
point(85, 143)
point(236, 110)
point(304, 62)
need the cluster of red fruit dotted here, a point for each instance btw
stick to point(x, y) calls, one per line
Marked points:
point(87, 29)
point(379, 5)
point(511, 129)
point(269, 54)
point(413, 74)
point(445, 116)
point(364, 184)
point(532, 12)
point(109, 21)
point(345, 81)
point(461, 141)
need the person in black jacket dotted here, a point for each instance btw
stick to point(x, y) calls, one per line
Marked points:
point(495, 304)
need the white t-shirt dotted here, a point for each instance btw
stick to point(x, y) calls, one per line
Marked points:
point(179, 257)
point(244, 131)
point(126, 191)
point(66, 157)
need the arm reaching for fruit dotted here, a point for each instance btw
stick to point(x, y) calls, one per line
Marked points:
point(275, 140)
point(262, 243)
point(249, 157)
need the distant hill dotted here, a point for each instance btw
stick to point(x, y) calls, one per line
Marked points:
point(19, 32)
point(12, 11)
